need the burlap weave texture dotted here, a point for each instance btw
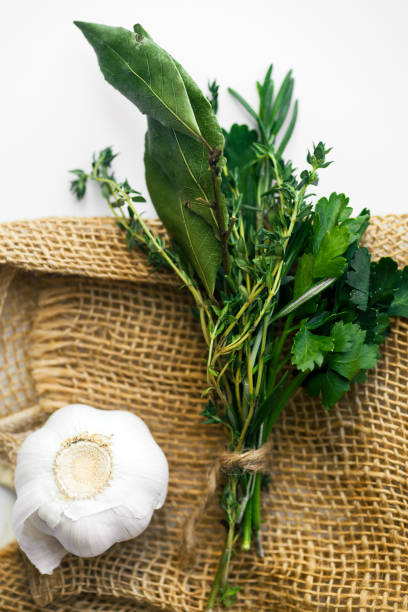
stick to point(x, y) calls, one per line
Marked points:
point(83, 320)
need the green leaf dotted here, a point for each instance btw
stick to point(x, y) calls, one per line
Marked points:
point(184, 162)
point(249, 110)
point(213, 97)
point(265, 92)
point(303, 299)
point(333, 233)
point(375, 323)
point(243, 103)
point(317, 159)
point(269, 401)
point(210, 412)
point(239, 153)
point(304, 275)
point(309, 349)
point(384, 281)
point(288, 134)
point(359, 278)
point(229, 595)
point(188, 169)
point(78, 186)
point(194, 236)
point(357, 226)
point(347, 362)
point(322, 318)
point(238, 146)
point(182, 129)
point(350, 353)
point(330, 385)
point(343, 336)
point(144, 73)
point(329, 261)
point(204, 115)
point(399, 305)
point(282, 102)
point(327, 214)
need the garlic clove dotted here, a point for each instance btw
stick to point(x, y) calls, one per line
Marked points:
point(36, 457)
point(151, 461)
point(29, 498)
point(51, 513)
point(121, 490)
point(92, 535)
point(43, 550)
point(74, 419)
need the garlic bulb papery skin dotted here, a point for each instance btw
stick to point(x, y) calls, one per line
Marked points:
point(87, 479)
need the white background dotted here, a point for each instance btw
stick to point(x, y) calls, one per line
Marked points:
point(349, 59)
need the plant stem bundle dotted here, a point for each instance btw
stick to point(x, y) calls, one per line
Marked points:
point(285, 294)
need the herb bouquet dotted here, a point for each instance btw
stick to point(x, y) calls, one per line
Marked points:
point(285, 294)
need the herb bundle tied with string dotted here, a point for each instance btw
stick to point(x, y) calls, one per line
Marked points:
point(285, 294)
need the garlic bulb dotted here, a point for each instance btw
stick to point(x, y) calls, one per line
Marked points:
point(87, 479)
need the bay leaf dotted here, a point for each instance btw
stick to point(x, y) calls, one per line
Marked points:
point(144, 73)
point(195, 236)
point(182, 131)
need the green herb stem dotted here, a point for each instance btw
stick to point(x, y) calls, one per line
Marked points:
point(278, 253)
point(247, 526)
point(256, 504)
point(201, 305)
point(284, 398)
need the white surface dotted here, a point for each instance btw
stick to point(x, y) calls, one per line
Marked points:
point(7, 499)
point(349, 58)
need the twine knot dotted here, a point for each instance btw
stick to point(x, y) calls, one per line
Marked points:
point(254, 460)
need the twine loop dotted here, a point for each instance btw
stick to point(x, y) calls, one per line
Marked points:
point(254, 460)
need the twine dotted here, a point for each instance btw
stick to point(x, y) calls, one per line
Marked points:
point(254, 460)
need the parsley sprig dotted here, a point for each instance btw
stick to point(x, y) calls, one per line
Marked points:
point(285, 294)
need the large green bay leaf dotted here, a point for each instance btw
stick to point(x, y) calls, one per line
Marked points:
point(212, 133)
point(195, 237)
point(185, 163)
point(144, 73)
point(203, 112)
point(181, 129)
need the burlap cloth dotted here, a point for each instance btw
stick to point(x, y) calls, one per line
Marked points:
point(83, 320)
